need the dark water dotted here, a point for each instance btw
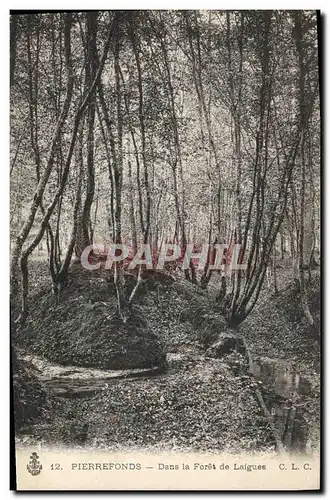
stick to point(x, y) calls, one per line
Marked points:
point(284, 391)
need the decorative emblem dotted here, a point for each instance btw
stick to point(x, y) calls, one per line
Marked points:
point(34, 466)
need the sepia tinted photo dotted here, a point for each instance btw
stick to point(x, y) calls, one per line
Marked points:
point(165, 247)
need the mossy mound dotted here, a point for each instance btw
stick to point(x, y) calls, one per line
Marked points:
point(277, 327)
point(203, 313)
point(83, 329)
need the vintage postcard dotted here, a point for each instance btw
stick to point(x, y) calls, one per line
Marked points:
point(165, 249)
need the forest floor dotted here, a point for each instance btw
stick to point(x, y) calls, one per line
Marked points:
point(199, 403)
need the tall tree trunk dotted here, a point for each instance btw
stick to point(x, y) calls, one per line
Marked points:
point(131, 205)
point(13, 45)
point(61, 277)
point(136, 50)
point(84, 238)
point(302, 111)
point(122, 305)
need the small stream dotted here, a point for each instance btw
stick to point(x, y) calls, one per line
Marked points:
point(284, 391)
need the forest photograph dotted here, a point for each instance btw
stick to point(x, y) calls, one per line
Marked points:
point(165, 230)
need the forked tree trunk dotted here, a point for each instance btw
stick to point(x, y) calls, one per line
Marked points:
point(62, 275)
point(48, 212)
point(37, 198)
